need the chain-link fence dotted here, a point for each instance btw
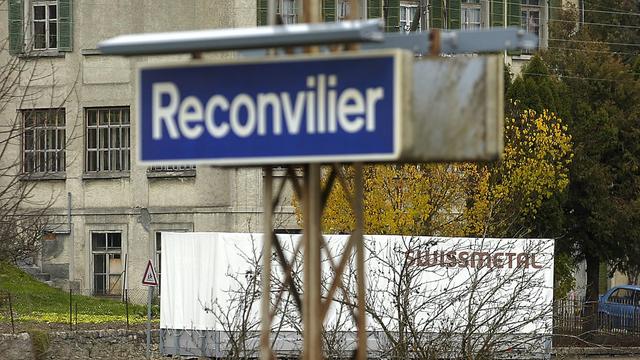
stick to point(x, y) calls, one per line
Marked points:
point(575, 321)
point(79, 309)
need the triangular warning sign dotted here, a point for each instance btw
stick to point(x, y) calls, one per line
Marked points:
point(150, 278)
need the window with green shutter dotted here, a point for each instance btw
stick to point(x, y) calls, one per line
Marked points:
point(16, 35)
point(50, 25)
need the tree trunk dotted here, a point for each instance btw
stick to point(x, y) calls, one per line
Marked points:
point(591, 297)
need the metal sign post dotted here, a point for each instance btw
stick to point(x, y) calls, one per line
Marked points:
point(149, 279)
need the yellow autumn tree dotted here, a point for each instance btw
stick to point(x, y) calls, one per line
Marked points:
point(535, 166)
point(466, 198)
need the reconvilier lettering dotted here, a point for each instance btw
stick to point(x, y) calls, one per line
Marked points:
point(323, 108)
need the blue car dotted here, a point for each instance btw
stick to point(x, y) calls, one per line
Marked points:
point(620, 308)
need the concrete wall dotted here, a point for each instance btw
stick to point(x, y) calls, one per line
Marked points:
point(136, 204)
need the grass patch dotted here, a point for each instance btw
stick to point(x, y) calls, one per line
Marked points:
point(33, 300)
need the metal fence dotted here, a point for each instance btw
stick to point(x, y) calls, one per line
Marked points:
point(76, 309)
point(575, 322)
point(582, 323)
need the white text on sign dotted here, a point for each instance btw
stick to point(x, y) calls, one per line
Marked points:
point(325, 109)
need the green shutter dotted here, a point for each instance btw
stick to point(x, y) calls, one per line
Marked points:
point(16, 39)
point(513, 13)
point(555, 8)
point(261, 12)
point(374, 9)
point(454, 15)
point(436, 14)
point(65, 25)
point(328, 10)
point(392, 18)
point(497, 13)
point(513, 19)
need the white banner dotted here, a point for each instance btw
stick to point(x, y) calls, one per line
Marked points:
point(209, 282)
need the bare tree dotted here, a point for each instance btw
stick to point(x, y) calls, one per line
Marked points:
point(429, 301)
point(24, 217)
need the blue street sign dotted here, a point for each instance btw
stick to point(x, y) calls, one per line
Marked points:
point(321, 108)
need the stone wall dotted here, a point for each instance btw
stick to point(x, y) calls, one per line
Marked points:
point(101, 344)
point(16, 347)
point(97, 344)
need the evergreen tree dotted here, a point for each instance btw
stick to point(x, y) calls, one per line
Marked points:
point(600, 106)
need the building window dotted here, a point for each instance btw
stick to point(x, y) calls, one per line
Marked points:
point(108, 146)
point(106, 248)
point(407, 13)
point(45, 25)
point(43, 140)
point(39, 25)
point(344, 9)
point(287, 10)
point(530, 20)
point(471, 15)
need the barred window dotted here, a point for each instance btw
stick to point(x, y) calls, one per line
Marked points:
point(108, 145)
point(43, 140)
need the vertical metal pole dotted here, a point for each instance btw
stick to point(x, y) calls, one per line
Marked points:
point(312, 266)
point(306, 279)
point(13, 328)
point(149, 322)
point(76, 315)
point(70, 309)
point(267, 194)
point(126, 306)
point(358, 208)
point(504, 7)
point(311, 310)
